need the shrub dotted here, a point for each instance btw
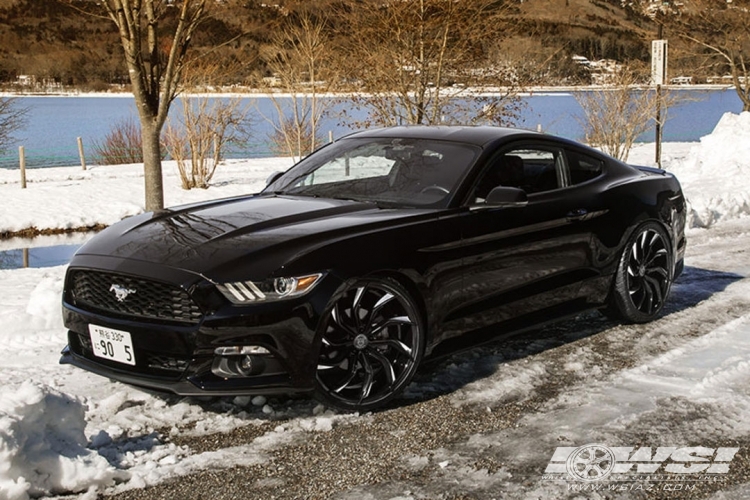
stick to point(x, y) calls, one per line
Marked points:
point(196, 139)
point(293, 137)
point(122, 144)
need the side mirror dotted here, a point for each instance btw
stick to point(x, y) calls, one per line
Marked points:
point(272, 178)
point(503, 195)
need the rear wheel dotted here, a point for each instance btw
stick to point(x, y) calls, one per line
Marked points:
point(644, 275)
point(372, 341)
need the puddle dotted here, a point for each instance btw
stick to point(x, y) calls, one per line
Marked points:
point(41, 251)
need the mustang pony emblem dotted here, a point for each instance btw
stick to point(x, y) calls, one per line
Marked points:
point(121, 292)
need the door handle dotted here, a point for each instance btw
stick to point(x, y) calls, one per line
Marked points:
point(577, 214)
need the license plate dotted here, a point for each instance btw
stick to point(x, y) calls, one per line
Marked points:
point(114, 345)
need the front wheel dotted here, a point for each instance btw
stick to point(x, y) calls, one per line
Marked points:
point(644, 275)
point(372, 341)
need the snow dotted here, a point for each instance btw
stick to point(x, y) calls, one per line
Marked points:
point(43, 445)
point(713, 172)
point(68, 197)
point(65, 431)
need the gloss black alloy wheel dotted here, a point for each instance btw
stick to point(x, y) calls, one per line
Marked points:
point(644, 275)
point(372, 341)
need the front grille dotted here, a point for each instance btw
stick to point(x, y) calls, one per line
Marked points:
point(161, 362)
point(97, 291)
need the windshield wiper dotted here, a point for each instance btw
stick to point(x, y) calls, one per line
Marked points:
point(291, 193)
point(390, 204)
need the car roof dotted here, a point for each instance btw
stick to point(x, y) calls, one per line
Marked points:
point(478, 135)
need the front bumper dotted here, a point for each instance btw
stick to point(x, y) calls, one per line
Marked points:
point(191, 385)
point(177, 357)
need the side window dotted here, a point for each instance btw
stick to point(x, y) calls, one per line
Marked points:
point(528, 168)
point(539, 170)
point(583, 167)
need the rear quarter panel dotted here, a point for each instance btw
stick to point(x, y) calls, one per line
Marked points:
point(635, 196)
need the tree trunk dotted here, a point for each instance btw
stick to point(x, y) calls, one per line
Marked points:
point(744, 97)
point(154, 73)
point(741, 85)
point(154, 183)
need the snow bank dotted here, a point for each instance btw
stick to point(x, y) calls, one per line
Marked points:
point(63, 198)
point(43, 445)
point(716, 172)
point(44, 301)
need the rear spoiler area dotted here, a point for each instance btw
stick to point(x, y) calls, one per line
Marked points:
point(650, 170)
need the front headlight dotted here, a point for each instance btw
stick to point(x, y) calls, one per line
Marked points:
point(243, 292)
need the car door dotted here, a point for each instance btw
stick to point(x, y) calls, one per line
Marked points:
point(523, 262)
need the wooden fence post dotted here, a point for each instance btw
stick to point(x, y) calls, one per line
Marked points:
point(80, 153)
point(22, 164)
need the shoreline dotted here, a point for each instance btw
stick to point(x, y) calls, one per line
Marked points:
point(249, 93)
point(33, 232)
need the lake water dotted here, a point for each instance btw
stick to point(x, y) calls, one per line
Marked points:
point(56, 121)
point(40, 251)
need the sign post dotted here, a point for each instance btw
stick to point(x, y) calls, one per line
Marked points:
point(658, 77)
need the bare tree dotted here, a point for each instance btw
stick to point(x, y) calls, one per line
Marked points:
point(155, 36)
point(415, 59)
point(197, 137)
point(533, 62)
point(615, 115)
point(197, 140)
point(721, 28)
point(12, 119)
point(299, 70)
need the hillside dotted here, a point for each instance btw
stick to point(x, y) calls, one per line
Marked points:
point(50, 42)
point(594, 29)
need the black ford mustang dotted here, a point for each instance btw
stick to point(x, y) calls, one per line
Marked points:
point(376, 251)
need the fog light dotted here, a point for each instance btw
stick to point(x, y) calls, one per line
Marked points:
point(239, 361)
point(247, 364)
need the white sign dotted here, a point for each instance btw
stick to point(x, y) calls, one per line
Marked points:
point(658, 62)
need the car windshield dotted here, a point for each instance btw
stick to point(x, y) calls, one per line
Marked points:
point(401, 172)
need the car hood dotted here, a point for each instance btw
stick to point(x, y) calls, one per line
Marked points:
point(212, 238)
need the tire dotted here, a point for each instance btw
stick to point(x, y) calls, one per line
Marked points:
point(644, 276)
point(372, 341)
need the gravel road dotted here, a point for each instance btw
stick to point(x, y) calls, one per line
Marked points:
point(468, 426)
